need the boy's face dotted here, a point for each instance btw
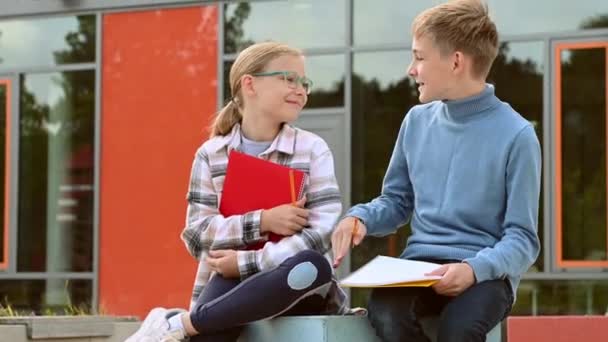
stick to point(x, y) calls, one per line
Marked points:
point(431, 71)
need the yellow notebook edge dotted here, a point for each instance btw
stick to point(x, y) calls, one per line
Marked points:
point(416, 283)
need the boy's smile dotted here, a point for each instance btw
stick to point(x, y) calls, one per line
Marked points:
point(430, 70)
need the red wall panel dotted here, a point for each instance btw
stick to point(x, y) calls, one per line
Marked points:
point(557, 328)
point(159, 75)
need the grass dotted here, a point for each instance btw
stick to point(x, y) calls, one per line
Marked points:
point(69, 309)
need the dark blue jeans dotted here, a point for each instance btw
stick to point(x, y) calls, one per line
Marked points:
point(225, 305)
point(395, 312)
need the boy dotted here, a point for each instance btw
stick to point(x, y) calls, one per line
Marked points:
point(466, 170)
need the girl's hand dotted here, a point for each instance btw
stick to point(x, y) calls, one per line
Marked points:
point(285, 219)
point(224, 262)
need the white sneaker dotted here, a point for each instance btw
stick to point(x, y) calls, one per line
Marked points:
point(155, 328)
point(174, 336)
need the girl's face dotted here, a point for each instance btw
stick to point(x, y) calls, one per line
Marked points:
point(280, 90)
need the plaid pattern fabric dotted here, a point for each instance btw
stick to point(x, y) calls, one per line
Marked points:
point(206, 229)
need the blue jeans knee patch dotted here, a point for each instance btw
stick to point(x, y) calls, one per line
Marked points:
point(302, 275)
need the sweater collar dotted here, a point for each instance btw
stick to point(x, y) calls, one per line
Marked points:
point(472, 106)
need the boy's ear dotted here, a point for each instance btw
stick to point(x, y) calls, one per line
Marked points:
point(457, 62)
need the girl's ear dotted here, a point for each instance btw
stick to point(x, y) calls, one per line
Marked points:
point(247, 84)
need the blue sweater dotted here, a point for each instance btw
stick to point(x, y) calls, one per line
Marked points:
point(467, 174)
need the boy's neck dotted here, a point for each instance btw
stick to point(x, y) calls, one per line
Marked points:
point(467, 89)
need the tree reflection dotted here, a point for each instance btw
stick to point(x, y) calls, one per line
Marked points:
point(233, 27)
point(61, 129)
point(584, 150)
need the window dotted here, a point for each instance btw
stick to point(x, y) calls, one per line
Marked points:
point(580, 116)
point(301, 23)
point(54, 140)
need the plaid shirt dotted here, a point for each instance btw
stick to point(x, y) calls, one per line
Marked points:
point(206, 229)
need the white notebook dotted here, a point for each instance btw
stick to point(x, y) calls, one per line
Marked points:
point(383, 271)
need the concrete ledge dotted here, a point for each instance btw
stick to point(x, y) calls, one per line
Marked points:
point(66, 329)
point(311, 328)
point(330, 329)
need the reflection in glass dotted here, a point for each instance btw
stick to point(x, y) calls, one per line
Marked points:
point(301, 23)
point(382, 95)
point(3, 162)
point(386, 21)
point(566, 297)
point(47, 41)
point(25, 296)
point(226, 86)
point(327, 73)
point(56, 142)
point(517, 74)
point(583, 104)
point(547, 16)
point(389, 21)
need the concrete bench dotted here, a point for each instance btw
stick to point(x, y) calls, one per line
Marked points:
point(311, 329)
point(328, 329)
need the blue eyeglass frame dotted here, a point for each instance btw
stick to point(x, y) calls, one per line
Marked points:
point(304, 81)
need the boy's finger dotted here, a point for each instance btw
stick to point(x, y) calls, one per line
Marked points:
point(439, 271)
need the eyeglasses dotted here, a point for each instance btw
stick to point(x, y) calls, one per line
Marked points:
point(291, 78)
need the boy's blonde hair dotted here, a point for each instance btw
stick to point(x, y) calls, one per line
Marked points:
point(461, 25)
point(249, 61)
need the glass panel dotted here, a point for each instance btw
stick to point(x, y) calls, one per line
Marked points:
point(583, 133)
point(382, 95)
point(3, 228)
point(386, 21)
point(52, 296)
point(327, 74)
point(563, 297)
point(547, 15)
point(56, 172)
point(227, 66)
point(389, 21)
point(301, 23)
point(48, 41)
point(517, 73)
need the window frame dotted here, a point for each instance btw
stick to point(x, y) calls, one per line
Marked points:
point(6, 261)
point(557, 46)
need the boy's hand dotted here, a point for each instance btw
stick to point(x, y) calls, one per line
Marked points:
point(456, 278)
point(285, 219)
point(343, 235)
point(224, 262)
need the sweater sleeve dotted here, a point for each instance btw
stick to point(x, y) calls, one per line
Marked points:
point(519, 246)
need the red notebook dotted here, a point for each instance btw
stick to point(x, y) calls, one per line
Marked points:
point(252, 183)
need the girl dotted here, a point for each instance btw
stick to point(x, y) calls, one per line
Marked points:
point(233, 285)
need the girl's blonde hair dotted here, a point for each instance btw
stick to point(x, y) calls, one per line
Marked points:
point(250, 61)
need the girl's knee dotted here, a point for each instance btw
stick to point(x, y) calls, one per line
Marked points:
point(315, 258)
point(308, 269)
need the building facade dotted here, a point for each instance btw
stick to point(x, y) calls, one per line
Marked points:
point(102, 106)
